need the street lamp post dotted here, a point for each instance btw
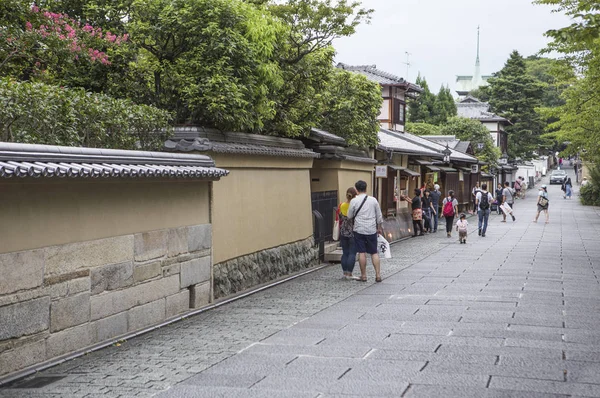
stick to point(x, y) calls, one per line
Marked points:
point(503, 159)
point(447, 152)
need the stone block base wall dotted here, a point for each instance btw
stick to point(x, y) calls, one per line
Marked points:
point(254, 269)
point(59, 299)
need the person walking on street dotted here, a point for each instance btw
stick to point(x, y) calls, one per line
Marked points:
point(449, 210)
point(499, 198)
point(474, 195)
point(523, 187)
point(428, 211)
point(461, 226)
point(435, 195)
point(484, 198)
point(542, 204)
point(417, 213)
point(367, 217)
point(568, 188)
point(347, 235)
point(508, 198)
point(575, 166)
point(518, 187)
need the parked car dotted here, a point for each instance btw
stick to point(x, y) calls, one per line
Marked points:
point(558, 177)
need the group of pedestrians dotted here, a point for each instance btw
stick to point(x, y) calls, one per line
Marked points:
point(567, 188)
point(360, 221)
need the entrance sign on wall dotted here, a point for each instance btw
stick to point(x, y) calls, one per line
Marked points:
point(381, 171)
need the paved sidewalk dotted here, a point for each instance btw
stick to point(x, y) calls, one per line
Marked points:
point(513, 314)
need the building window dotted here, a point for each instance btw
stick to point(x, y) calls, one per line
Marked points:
point(399, 111)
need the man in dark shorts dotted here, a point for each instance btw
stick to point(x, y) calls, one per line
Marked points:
point(367, 222)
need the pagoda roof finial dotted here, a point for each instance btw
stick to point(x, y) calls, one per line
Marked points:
point(477, 60)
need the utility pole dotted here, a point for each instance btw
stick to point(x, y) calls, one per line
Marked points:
point(407, 63)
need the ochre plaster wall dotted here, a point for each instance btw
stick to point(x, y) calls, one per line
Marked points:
point(322, 180)
point(264, 202)
point(347, 179)
point(39, 213)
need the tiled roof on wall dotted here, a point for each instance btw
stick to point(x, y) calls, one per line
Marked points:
point(28, 160)
point(199, 139)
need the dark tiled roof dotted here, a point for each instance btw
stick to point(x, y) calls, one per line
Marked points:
point(327, 137)
point(340, 153)
point(462, 146)
point(381, 77)
point(188, 139)
point(27, 160)
point(478, 111)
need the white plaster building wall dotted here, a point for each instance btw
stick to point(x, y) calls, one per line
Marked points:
point(491, 126)
point(494, 136)
point(384, 114)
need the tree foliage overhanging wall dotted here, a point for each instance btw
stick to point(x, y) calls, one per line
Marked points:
point(251, 66)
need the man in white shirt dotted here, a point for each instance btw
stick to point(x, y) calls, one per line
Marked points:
point(367, 222)
point(483, 201)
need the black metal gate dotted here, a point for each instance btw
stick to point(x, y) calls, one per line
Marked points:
point(326, 203)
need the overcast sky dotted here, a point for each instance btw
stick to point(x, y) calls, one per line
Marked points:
point(441, 36)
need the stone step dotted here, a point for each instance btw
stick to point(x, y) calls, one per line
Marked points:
point(331, 247)
point(334, 256)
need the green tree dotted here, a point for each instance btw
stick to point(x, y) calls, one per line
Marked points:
point(482, 93)
point(352, 104)
point(545, 71)
point(576, 121)
point(472, 130)
point(515, 95)
point(444, 106)
point(422, 128)
point(211, 61)
point(305, 58)
point(422, 109)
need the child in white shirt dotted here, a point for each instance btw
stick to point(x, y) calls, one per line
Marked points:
point(461, 227)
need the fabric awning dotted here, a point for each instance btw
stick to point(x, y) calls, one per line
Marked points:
point(410, 173)
point(487, 175)
point(433, 168)
point(465, 169)
point(448, 169)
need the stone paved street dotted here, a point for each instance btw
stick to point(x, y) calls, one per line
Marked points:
point(516, 313)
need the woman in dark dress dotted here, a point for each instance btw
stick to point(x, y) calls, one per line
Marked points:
point(417, 212)
point(428, 210)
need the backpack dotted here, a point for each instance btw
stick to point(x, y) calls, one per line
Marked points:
point(517, 184)
point(448, 210)
point(484, 203)
point(544, 200)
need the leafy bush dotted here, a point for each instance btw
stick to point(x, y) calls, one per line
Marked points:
point(590, 193)
point(45, 114)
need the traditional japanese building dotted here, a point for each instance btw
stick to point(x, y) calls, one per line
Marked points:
point(472, 108)
point(395, 91)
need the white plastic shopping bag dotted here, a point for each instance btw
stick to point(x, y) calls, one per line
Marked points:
point(336, 230)
point(383, 247)
point(506, 209)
